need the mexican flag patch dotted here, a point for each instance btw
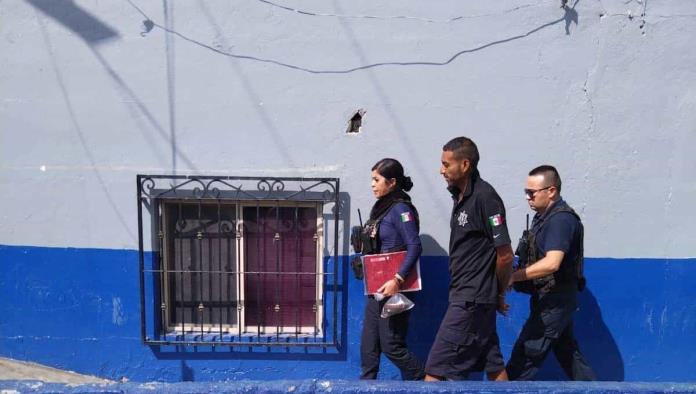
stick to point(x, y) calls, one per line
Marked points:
point(406, 217)
point(495, 220)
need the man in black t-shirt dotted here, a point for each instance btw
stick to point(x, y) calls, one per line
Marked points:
point(553, 275)
point(480, 263)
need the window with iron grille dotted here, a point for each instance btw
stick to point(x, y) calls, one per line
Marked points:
point(239, 260)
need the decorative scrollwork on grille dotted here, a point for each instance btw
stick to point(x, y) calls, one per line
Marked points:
point(237, 188)
point(226, 226)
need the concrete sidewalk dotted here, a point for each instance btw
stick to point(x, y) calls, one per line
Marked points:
point(21, 370)
point(25, 377)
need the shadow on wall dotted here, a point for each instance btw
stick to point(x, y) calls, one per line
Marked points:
point(431, 302)
point(595, 340)
point(77, 20)
point(596, 343)
point(431, 247)
point(187, 373)
point(570, 16)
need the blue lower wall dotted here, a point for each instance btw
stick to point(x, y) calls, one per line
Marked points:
point(78, 309)
point(349, 387)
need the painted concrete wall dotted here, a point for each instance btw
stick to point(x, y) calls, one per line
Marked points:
point(600, 90)
point(78, 309)
point(93, 93)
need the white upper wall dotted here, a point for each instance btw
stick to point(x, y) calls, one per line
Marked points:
point(606, 92)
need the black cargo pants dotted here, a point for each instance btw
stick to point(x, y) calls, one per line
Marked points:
point(386, 336)
point(549, 327)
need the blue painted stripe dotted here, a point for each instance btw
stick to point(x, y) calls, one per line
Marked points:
point(78, 309)
point(353, 387)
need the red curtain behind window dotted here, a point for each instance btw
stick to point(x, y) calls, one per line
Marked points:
point(280, 266)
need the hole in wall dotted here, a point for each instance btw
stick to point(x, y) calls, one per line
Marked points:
point(355, 122)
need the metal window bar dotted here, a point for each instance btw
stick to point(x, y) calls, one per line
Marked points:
point(180, 256)
point(258, 276)
point(238, 278)
point(198, 289)
point(337, 209)
point(298, 266)
point(157, 190)
point(160, 260)
point(278, 251)
point(219, 275)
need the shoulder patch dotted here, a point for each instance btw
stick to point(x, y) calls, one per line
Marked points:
point(406, 217)
point(495, 220)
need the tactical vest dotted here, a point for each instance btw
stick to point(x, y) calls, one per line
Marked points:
point(369, 234)
point(567, 276)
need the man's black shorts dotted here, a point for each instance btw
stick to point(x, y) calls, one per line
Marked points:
point(467, 341)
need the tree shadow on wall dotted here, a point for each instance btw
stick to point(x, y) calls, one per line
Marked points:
point(596, 343)
point(76, 19)
point(570, 16)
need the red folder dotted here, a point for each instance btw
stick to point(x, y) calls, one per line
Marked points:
point(379, 268)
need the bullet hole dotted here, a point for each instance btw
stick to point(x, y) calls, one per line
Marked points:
point(355, 122)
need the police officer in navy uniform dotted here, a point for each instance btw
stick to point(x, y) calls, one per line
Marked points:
point(393, 226)
point(552, 274)
point(480, 263)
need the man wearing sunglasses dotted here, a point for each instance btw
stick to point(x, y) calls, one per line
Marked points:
point(553, 275)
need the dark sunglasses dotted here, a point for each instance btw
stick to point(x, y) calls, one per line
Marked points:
point(531, 192)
